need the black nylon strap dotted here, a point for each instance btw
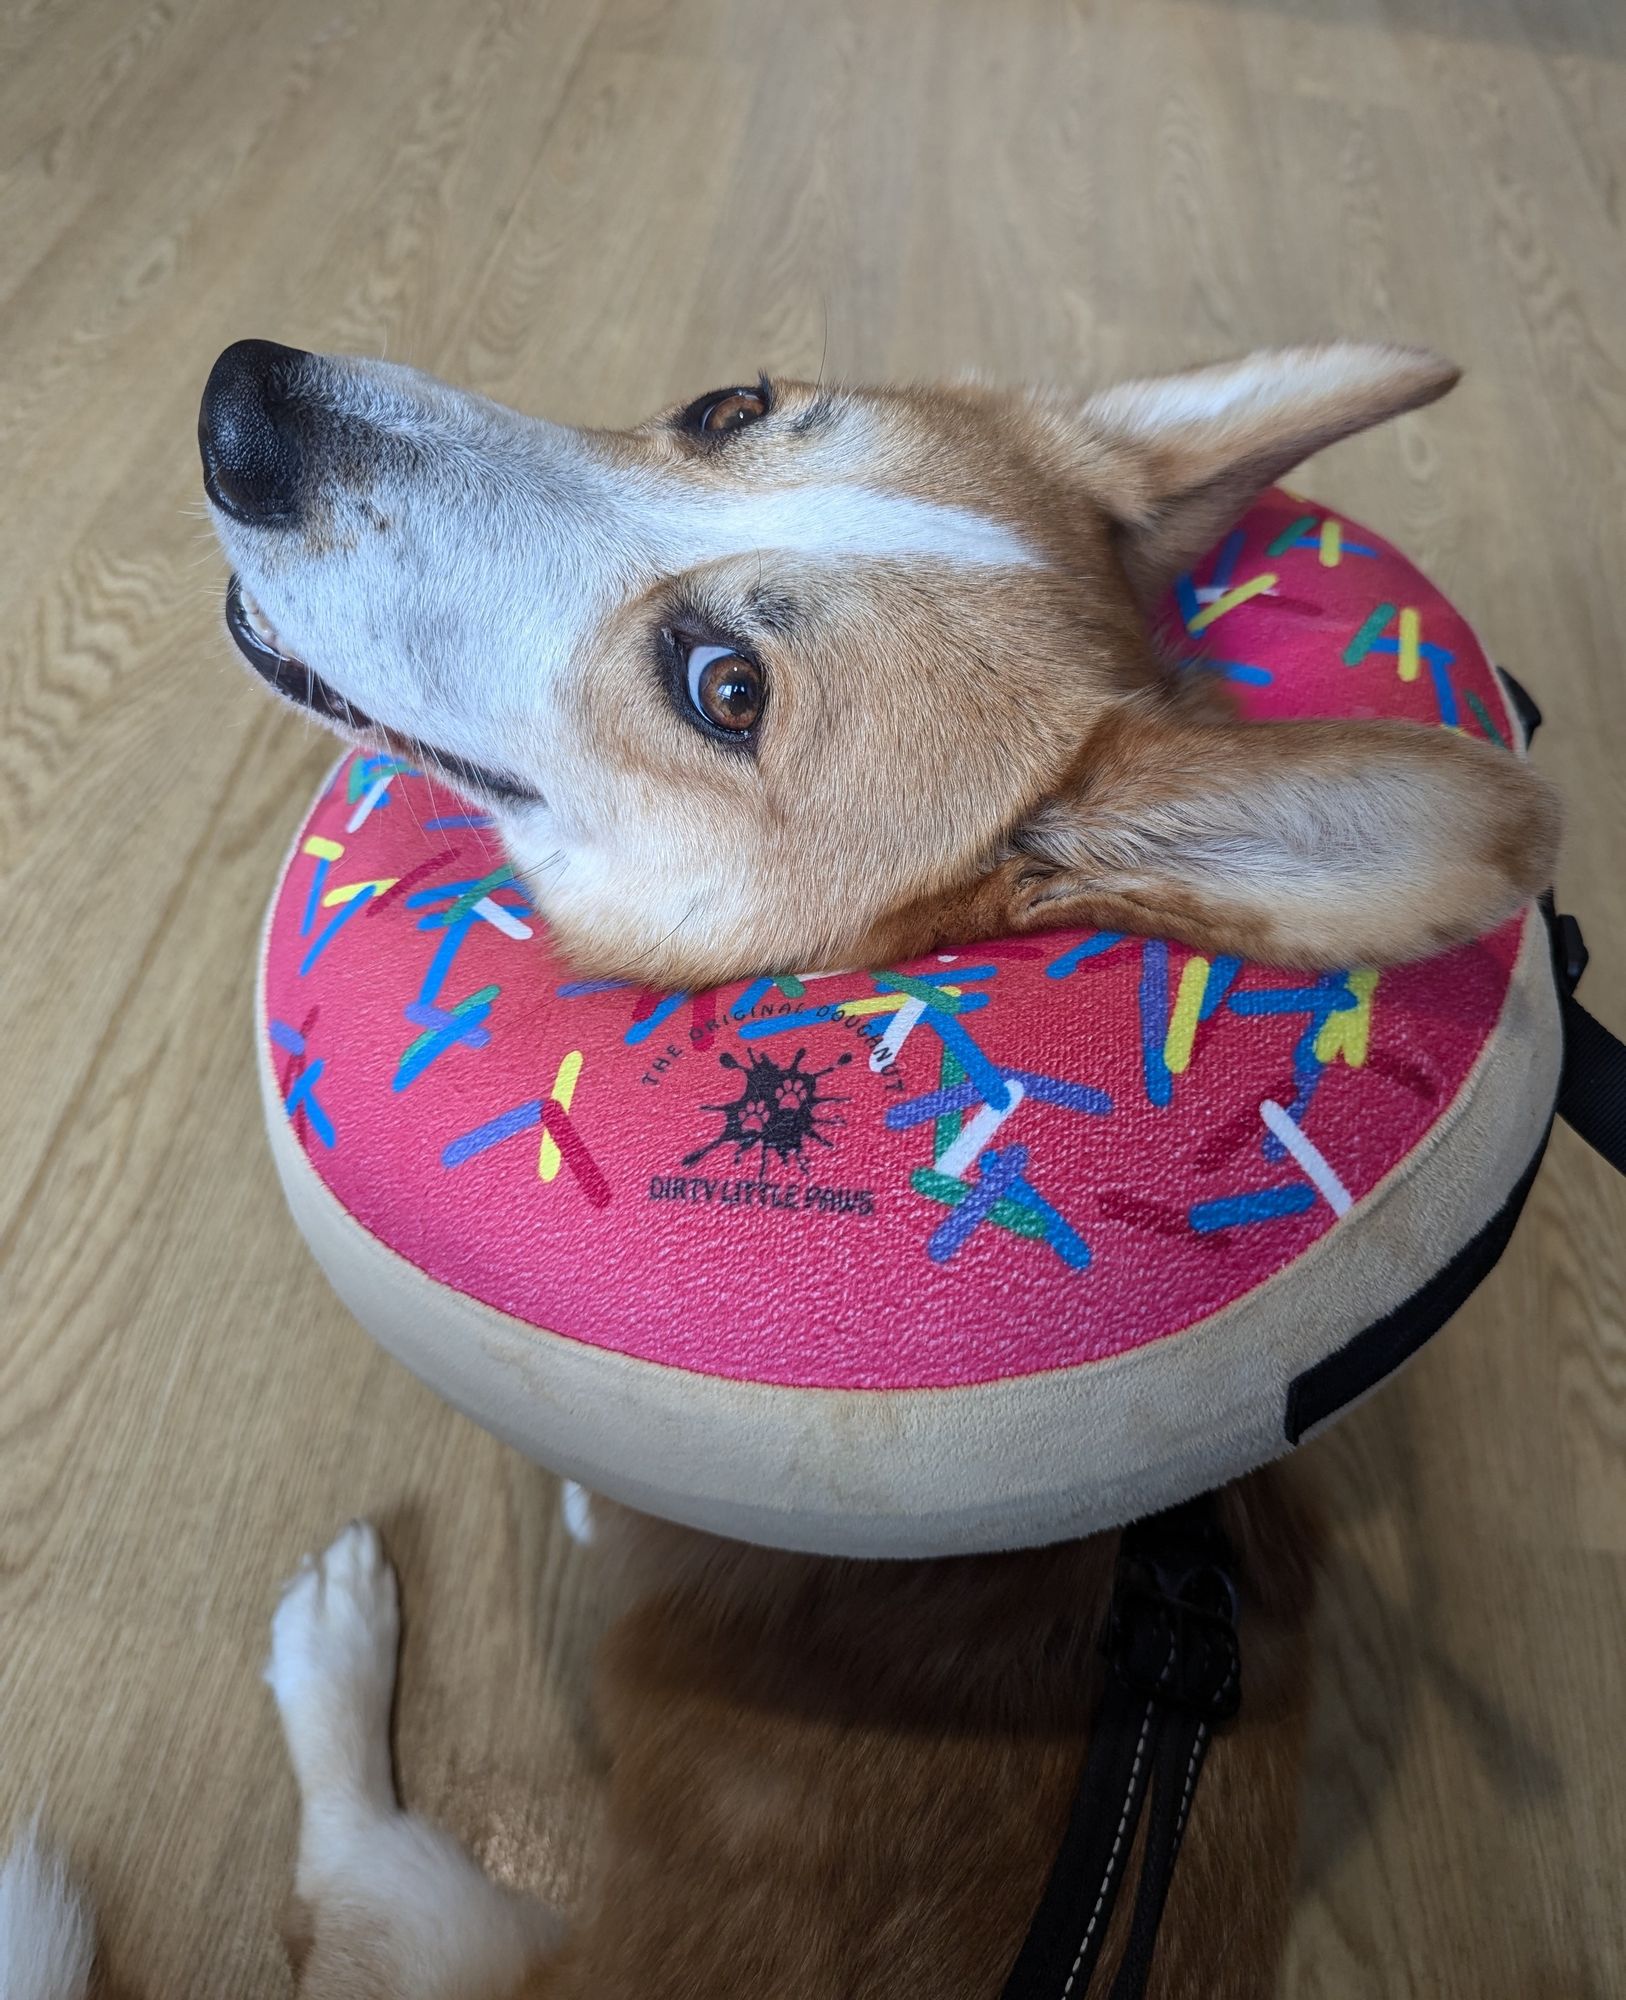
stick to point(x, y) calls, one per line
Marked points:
point(1592, 1090)
point(1179, 1758)
point(1059, 1954)
point(1592, 1096)
point(1173, 1673)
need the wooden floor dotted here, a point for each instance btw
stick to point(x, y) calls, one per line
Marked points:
point(590, 207)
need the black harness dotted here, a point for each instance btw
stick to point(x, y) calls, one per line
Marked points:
point(1174, 1674)
point(1174, 1667)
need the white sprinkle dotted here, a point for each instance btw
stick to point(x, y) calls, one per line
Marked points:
point(1331, 1189)
point(364, 805)
point(501, 919)
point(982, 1128)
point(898, 1030)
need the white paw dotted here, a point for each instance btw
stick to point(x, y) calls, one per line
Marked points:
point(334, 1637)
point(576, 1505)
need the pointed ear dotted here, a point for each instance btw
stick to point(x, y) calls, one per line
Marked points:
point(1187, 454)
point(1292, 843)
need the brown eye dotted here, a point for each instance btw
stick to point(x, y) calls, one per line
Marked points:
point(730, 410)
point(740, 406)
point(727, 689)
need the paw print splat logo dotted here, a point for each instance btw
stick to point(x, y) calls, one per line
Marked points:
point(780, 1109)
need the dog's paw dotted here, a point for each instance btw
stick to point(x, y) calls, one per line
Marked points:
point(576, 1510)
point(333, 1641)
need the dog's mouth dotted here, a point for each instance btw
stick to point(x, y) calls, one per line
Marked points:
point(256, 639)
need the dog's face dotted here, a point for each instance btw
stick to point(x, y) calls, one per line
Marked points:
point(796, 676)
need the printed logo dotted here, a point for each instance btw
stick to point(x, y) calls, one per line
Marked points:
point(779, 1114)
point(780, 1109)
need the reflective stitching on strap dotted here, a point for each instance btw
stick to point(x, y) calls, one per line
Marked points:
point(1199, 1744)
point(1129, 1800)
point(1117, 1842)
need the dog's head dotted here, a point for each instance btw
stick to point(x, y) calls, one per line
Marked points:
point(799, 676)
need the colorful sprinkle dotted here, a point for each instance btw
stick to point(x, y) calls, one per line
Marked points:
point(1226, 561)
point(1367, 637)
point(492, 1133)
point(411, 879)
point(1154, 1018)
point(576, 1156)
point(347, 892)
point(501, 919)
point(1000, 1177)
point(331, 930)
point(647, 1020)
point(1007, 1214)
point(1346, 1030)
point(1238, 1210)
point(1440, 673)
point(1308, 1156)
point(575, 989)
point(1092, 947)
point(978, 1133)
point(1188, 1001)
point(476, 893)
point(1410, 632)
point(961, 1094)
point(1254, 586)
point(564, 1089)
point(898, 1030)
point(1482, 716)
point(444, 1028)
point(1291, 537)
point(302, 1097)
point(368, 803)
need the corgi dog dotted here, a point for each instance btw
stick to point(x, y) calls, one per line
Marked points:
point(799, 677)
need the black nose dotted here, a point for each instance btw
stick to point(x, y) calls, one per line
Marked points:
point(246, 432)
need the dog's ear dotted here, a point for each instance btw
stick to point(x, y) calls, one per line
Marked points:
point(1293, 843)
point(1181, 457)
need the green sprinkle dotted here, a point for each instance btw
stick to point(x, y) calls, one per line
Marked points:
point(1482, 717)
point(1368, 636)
point(1288, 536)
point(1009, 1215)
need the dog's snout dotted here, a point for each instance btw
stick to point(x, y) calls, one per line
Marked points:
point(252, 460)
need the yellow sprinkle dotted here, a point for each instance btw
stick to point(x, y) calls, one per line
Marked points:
point(323, 850)
point(548, 1160)
point(1410, 631)
point(1347, 1032)
point(1183, 1021)
point(881, 1003)
point(1332, 543)
point(347, 892)
point(1231, 600)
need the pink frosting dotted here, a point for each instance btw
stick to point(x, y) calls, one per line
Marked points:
point(737, 1183)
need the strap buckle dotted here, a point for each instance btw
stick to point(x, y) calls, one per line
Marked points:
point(1570, 955)
point(1172, 1627)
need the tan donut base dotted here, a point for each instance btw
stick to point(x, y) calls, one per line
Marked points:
point(936, 1472)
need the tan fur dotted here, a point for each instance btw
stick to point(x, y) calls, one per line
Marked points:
point(1433, 843)
point(1009, 740)
point(849, 1779)
point(967, 728)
